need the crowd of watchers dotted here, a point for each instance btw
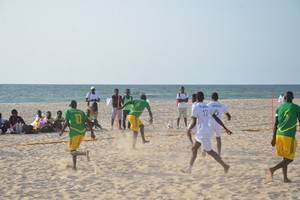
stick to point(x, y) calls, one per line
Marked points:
point(43, 123)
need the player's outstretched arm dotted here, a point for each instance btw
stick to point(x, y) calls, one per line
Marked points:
point(151, 116)
point(221, 123)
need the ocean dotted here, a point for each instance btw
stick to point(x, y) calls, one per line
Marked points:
point(44, 93)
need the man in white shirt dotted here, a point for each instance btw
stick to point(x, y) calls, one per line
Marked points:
point(182, 98)
point(200, 116)
point(92, 98)
point(219, 109)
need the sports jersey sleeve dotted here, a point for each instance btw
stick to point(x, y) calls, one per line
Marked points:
point(194, 112)
point(67, 116)
point(211, 111)
point(147, 105)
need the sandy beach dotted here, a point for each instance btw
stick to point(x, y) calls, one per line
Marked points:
point(37, 166)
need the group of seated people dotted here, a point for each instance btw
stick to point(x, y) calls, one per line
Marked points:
point(42, 124)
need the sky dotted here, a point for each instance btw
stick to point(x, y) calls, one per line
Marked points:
point(150, 41)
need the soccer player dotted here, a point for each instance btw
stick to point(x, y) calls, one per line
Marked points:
point(189, 134)
point(75, 119)
point(138, 106)
point(284, 132)
point(219, 109)
point(200, 115)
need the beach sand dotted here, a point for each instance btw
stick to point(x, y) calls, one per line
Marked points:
point(39, 166)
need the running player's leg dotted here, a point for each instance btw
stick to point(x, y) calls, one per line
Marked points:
point(283, 164)
point(195, 148)
point(219, 160)
point(143, 134)
point(219, 145)
point(134, 138)
point(208, 148)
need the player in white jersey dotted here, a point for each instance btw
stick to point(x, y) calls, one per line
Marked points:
point(219, 109)
point(200, 115)
point(189, 134)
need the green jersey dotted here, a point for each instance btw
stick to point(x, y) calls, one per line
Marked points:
point(125, 100)
point(76, 119)
point(138, 106)
point(287, 114)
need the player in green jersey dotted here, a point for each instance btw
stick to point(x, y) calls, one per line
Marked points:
point(138, 106)
point(76, 119)
point(284, 132)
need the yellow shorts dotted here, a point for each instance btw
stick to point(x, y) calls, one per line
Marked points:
point(286, 146)
point(75, 141)
point(135, 122)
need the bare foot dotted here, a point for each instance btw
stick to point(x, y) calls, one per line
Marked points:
point(146, 141)
point(87, 154)
point(187, 170)
point(270, 177)
point(226, 169)
point(286, 180)
point(74, 169)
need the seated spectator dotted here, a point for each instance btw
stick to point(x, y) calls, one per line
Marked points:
point(46, 124)
point(37, 120)
point(16, 122)
point(4, 125)
point(58, 121)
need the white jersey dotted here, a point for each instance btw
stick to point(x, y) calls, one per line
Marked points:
point(91, 96)
point(182, 96)
point(218, 108)
point(202, 112)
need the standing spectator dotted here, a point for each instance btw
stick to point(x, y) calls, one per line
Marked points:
point(92, 98)
point(284, 133)
point(182, 98)
point(126, 109)
point(116, 104)
point(281, 98)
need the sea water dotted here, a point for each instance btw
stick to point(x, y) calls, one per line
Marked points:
point(39, 93)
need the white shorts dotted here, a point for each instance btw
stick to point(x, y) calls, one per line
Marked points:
point(216, 128)
point(182, 112)
point(115, 112)
point(205, 142)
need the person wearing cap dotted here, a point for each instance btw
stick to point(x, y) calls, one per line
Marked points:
point(76, 119)
point(92, 98)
